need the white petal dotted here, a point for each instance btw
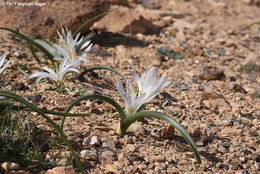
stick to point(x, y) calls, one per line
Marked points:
point(86, 45)
point(2, 59)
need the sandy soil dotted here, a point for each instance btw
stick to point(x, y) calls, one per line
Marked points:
point(218, 104)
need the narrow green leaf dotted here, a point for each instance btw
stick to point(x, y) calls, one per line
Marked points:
point(20, 35)
point(54, 125)
point(91, 21)
point(23, 70)
point(11, 106)
point(15, 107)
point(87, 70)
point(95, 96)
point(33, 51)
point(139, 115)
point(65, 114)
point(46, 46)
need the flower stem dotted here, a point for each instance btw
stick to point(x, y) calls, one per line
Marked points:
point(119, 130)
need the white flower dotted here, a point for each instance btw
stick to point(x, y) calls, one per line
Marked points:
point(68, 47)
point(2, 65)
point(148, 88)
point(56, 74)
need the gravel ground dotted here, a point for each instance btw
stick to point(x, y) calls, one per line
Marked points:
point(212, 96)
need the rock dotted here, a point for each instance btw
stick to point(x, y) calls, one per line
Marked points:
point(136, 128)
point(134, 21)
point(181, 24)
point(167, 132)
point(130, 147)
point(103, 128)
point(89, 155)
point(158, 158)
point(182, 86)
point(92, 140)
point(238, 88)
point(109, 145)
point(109, 155)
point(121, 52)
point(43, 21)
point(110, 168)
point(10, 166)
point(212, 73)
point(228, 131)
point(61, 170)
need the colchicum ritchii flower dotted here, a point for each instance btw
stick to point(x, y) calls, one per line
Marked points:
point(61, 68)
point(148, 87)
point(2, 65)
point(73, 48)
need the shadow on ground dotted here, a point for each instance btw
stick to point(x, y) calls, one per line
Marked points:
point(109, 39)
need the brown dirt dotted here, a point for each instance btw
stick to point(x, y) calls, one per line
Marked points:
point(209, 96)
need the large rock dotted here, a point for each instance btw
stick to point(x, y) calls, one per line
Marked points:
point(44, 20)
point(129, 20)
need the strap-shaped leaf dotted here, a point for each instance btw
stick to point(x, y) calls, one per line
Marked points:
point(49, 120)
point(24, 70)
point(91, 21)
point(46, 46)
point(20, 35)
point(139, 115)
point(95, 96)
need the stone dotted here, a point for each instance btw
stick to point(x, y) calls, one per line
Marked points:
point(43, 21)
point(89, 155)
point(92, 140)
point(136, 128)
point(134, 22)
point(109, 155)
point(158, 158)
point(109, 145)
point(110, 168)
point(228, 131)
point(212, 73)
point(181, 24)
point(167, 132)
point(10, 166)
point(61, 170)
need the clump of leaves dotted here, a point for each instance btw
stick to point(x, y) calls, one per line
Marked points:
point(20, 143)
point(249, 67)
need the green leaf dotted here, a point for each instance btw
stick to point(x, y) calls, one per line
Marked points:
point(24, 70)
point(87, 70)
point(11, 106)
point(49, 120)
point(95, 96)
point(91, 21)
point(139, 115)
point(47, 47)
point(33, 51)
point(65, 114)
point(20, 35)
point(166, 51)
